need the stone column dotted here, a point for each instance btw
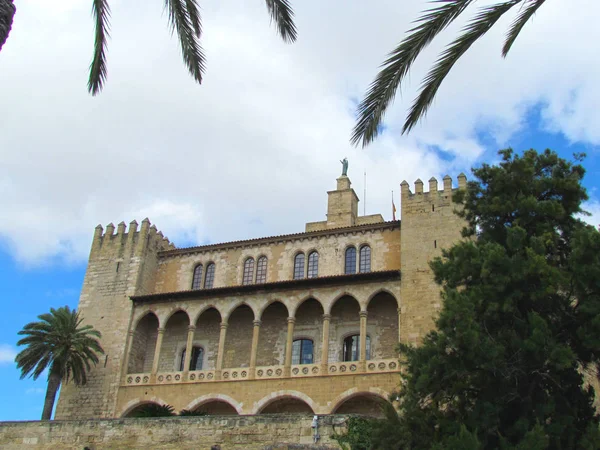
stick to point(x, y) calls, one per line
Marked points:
point(159, 339)
point(288, 347)
point(221, 351)
point(325, 345)
point(188, 350)
point(255, 334)
point(399, 325)
point(125, 367)
point(363, 341)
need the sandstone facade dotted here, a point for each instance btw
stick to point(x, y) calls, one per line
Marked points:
point(302, 323)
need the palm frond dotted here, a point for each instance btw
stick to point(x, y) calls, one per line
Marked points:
point(383, 89)
point(480, 25)
point(519, 23)
point(188, 33)
point(283, 16)
point(101, 13)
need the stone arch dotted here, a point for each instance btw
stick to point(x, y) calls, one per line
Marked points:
point(174, 340)
point(353, 393)
point(137, 402)
point(238, 340)
point(382, 291)
point(206, 335)
point(382, 317)
point(203, 310)
point(171, 312)
point(143, 343)
point(269, 303)
point(237, 305)
point(139, 315)
point(272, 335)
point(280, 395)
point(338, 298)
point(208, 398)
point(295, 307)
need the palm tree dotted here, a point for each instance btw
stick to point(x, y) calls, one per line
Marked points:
point(394, 69)
point(60, 344)
point(184, 18)
point(7, 13)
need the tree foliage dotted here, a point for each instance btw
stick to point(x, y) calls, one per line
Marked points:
point(184, 19)
point(396, 67)
point(7, 14)
point(60, 344)
point(520, 320)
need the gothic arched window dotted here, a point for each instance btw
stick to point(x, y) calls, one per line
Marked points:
point(197, 280)
point(248, 277)
point(365, 259)
point(350, 262)
point(261, 270)
point(299, 266)
point(209, 278)
point(313, 265)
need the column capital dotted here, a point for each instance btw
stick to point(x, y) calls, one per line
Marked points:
point(363, 314)
point(224, 325)
point(161, 330)
point(192, 328)
point(257, 323)
point(399, 311)
point(131, 333)
point(326, 316)
point(291, 320)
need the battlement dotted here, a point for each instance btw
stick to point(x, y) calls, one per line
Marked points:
point(419, 194)
point(129, 240)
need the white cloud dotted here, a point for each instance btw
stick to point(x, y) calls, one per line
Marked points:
point(253, 150)
point(7, 354)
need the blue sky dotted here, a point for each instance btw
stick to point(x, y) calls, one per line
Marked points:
point(253, 150)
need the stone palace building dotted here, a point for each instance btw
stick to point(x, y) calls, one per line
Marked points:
point(305, 322)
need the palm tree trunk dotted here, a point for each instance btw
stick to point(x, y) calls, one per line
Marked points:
point(53, 385)
point(7, 13)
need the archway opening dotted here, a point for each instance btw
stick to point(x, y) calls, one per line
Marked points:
point(150, 409)
point(308, 333)
point(287, 405)
point(382, 325)
point(206, 336)
point(345, 321)
point(174, 342)
point(143, 345)
point(238, 343)
point(366, 404)
point(216, 408)
point(272, 336)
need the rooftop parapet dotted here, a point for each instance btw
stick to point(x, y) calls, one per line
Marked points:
point(447, 190)
point(129, 241)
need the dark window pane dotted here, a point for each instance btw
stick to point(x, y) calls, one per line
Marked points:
point(351, 348)
point(350, 266)
point(261, 270)
point(299, 266)
point(302, 351)
point(210, 276)
point(365, 259)
point(195, 360)
point(197, 281)
point(248, 271)
point(313, 265)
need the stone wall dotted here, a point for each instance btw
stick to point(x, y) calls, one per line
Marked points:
point(198, 433)
point(429, 224)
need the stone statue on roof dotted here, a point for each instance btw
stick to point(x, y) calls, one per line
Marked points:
point(344, 167)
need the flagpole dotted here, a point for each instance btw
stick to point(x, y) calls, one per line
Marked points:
point(365, 196)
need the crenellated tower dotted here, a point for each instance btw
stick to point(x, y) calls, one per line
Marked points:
point(429, 224)
point(120, 264)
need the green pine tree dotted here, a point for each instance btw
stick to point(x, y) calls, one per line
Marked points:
point(520, 320)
